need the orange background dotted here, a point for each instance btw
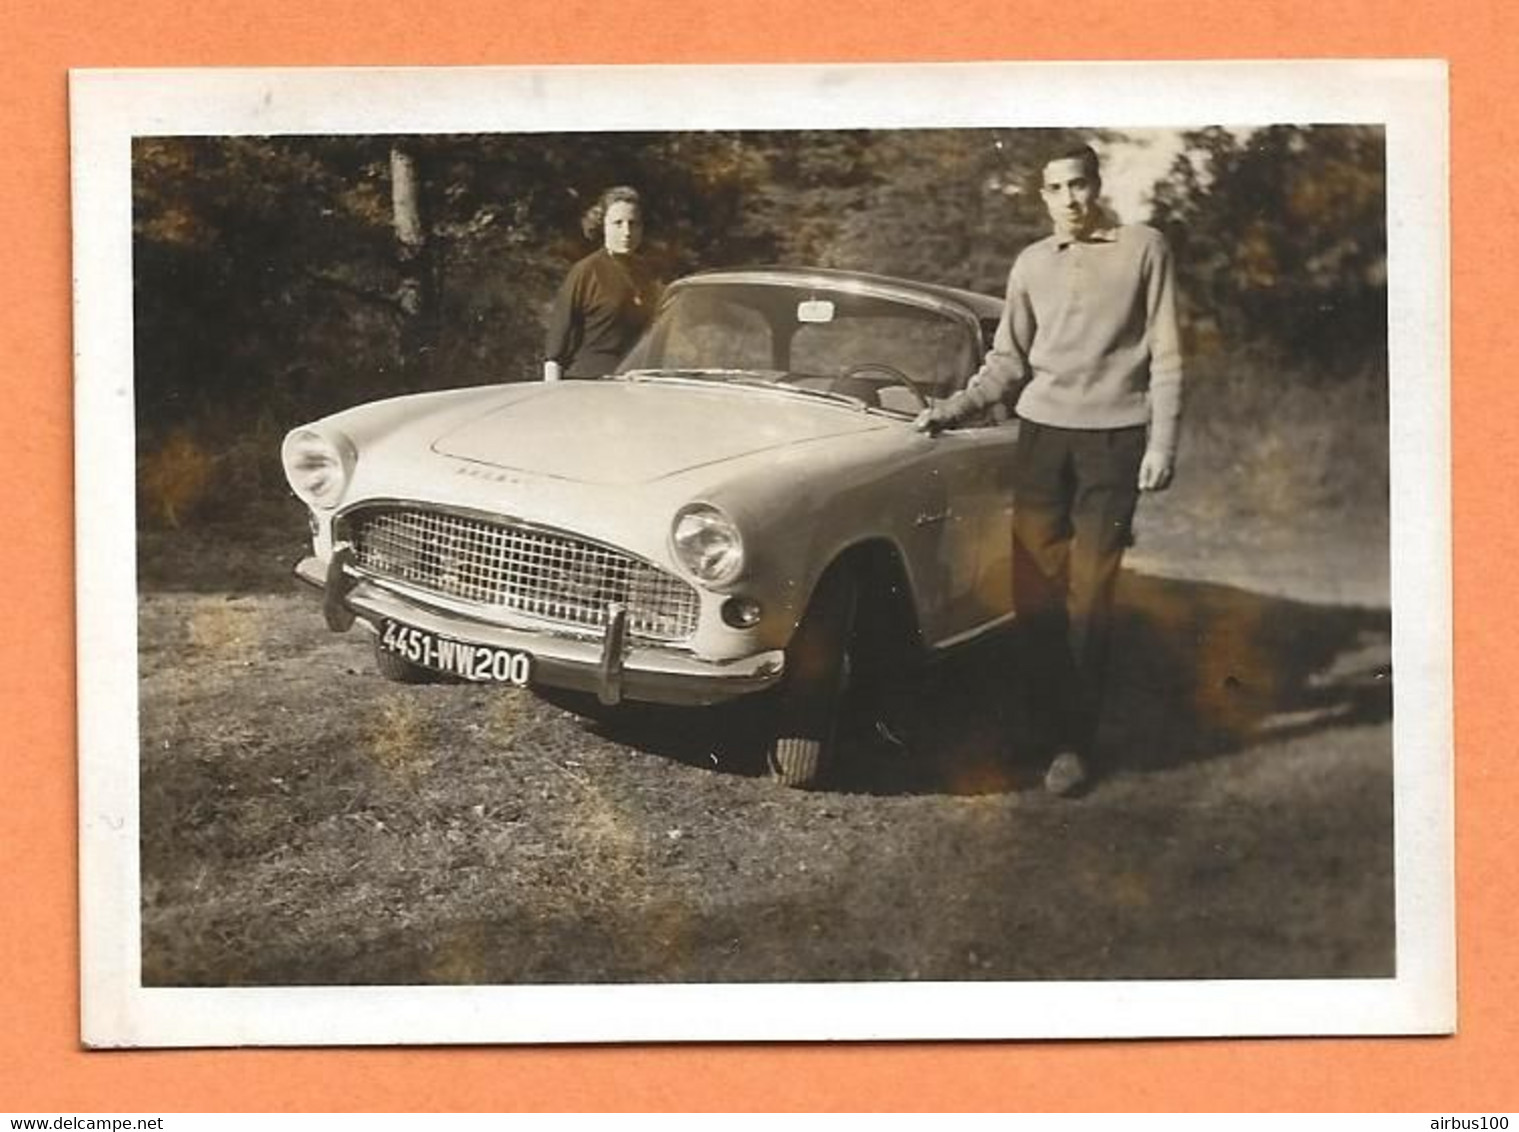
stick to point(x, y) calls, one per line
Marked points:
point(41, 1066)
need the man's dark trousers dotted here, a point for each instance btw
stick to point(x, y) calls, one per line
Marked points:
point(1074, 494)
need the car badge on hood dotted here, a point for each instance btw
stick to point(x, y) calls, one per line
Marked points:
point(477, 471)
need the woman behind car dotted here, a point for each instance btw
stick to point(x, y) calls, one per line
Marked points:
point(608, 298)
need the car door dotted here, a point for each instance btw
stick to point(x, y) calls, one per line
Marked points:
point(969, 498)
point(976, 468)
point(957, 529)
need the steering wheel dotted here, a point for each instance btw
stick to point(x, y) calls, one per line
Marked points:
point(896, 375)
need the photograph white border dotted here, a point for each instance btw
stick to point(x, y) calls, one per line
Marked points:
point(110, 108)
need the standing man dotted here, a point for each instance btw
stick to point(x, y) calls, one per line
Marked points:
point(1088, 348)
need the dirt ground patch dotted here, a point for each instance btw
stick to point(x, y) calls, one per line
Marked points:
point(305, 822)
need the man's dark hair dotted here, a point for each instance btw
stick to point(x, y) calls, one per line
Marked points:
point(1090, 165)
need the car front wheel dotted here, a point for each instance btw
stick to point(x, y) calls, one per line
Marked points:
point(810, 702)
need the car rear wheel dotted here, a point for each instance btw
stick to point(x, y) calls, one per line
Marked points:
point(810, 702)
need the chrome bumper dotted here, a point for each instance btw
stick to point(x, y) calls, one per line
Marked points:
point(608, 667)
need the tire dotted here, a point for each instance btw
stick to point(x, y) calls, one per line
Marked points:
point(810, 702)
point(398, 669)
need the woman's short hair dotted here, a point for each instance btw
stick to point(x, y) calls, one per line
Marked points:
point(590, 223)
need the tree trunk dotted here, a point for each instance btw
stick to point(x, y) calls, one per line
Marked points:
point(417, 292)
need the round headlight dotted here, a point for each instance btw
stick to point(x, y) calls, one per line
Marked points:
point(706, 543)
point(318, 466)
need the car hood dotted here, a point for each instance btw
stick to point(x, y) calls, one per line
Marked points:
point(627, 432)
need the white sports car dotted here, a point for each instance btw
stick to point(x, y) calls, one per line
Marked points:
point(743, 508)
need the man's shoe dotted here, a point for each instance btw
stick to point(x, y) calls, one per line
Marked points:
point(1066, 775)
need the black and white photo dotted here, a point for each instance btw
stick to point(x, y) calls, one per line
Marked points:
point(726, 553)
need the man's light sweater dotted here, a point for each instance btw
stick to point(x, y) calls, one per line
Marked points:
point(1089, 336)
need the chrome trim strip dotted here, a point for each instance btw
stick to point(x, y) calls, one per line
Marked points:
point(870, 288)
point(979, 631)
point(459, 607)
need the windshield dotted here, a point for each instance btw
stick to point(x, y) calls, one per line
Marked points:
point(883, 352)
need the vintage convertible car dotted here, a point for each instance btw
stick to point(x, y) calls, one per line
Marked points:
point(743, 508)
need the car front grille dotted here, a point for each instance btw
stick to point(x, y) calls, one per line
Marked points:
point(503, 565)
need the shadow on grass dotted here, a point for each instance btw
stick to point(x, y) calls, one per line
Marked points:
point(1200, 671)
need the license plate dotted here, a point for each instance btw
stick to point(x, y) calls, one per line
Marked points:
point(483, 663)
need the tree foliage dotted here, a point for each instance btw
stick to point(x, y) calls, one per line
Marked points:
point(1281, 240)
